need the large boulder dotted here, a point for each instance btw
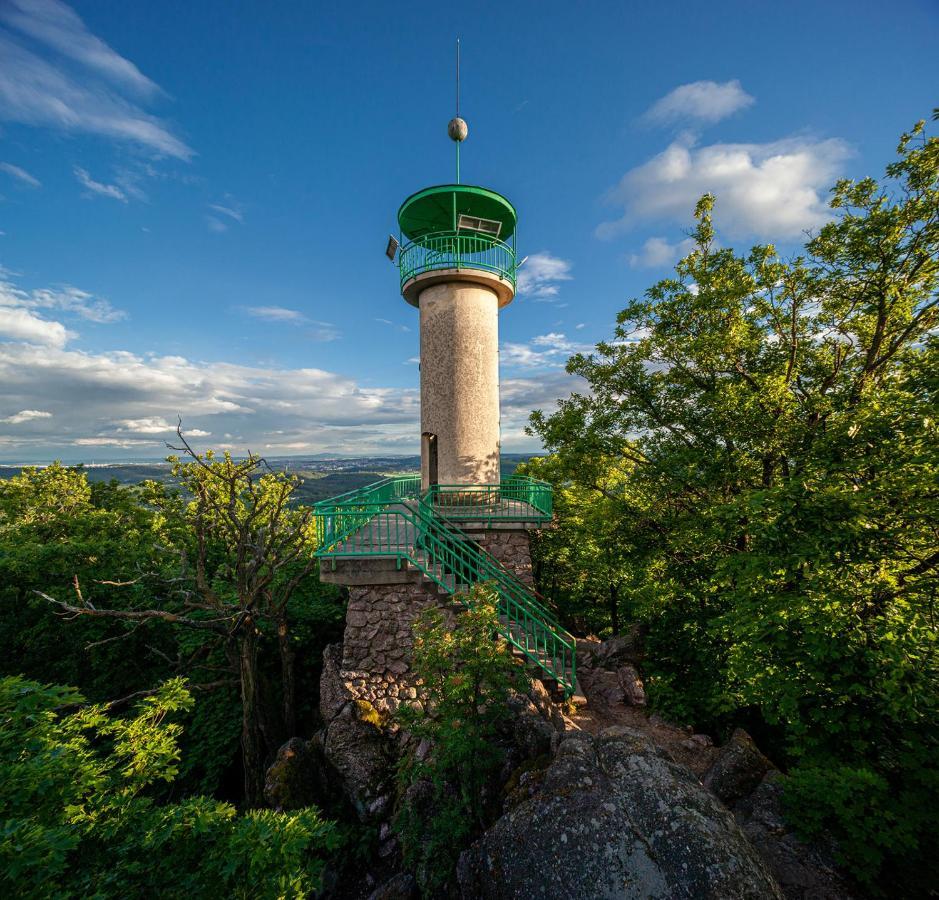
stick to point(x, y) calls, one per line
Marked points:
point(290, 782)
point(613, 817)
point(738, 768)
point(359, 749)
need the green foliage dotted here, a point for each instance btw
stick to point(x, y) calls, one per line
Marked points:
point(467, 673)
point(58, 531)
point(79, 820)
point(761, 438)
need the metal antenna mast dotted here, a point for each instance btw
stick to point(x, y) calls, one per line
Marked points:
point(457, 128)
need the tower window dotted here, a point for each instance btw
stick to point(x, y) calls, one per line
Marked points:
point(474, 223)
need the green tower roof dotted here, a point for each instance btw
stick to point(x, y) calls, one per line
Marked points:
point(439, 208)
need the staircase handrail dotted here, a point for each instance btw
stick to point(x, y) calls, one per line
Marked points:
point(453, 552)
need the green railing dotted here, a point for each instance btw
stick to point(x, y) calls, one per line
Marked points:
point(456, 250)
point(515, 499)
point(390, 519)
point(337, 517)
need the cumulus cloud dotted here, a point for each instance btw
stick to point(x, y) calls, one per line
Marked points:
point(657, 252)
point(23, 325)
point(541, 275)
point(108, 399)
point(77, 83)
point(19, 174)
point(97, 187)
point(26, 415)
point(545, 351)
point(521, 395)
point(773, 190)
point(156, 425)
point(68, 402)
point(699, 101)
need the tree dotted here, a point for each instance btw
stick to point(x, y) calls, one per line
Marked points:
point(79, 817)
point(57, 529)
point(244, 551)
point(467, 673)
point(777, 423)
point(583, 561)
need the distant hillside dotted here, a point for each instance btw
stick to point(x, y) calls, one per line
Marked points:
point(322, 476)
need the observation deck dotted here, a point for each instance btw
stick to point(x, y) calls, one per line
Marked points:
point(457, 232)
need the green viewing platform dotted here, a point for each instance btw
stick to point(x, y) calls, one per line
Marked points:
point(457, 228)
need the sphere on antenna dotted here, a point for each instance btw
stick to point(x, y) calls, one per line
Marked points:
point(457, 129)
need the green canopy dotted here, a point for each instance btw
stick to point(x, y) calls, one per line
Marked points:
point(439, 208)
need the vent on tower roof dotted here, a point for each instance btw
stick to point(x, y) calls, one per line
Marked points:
point(474, 223)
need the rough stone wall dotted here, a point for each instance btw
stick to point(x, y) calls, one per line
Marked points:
point(379, 637)
point(511, 548)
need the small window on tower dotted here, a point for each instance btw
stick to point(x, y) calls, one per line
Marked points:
point(474, 223)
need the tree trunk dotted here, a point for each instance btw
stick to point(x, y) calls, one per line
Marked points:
point(252, 743)
point(288, 684)
point(614, 609)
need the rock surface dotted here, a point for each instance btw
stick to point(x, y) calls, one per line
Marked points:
point(399, 887)
point(804, 872)
point(613, 817)
point(737, 770)
point(363, 755)
point(634, 692)
point(291, 780)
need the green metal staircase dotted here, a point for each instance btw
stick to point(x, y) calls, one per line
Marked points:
point(392, 519)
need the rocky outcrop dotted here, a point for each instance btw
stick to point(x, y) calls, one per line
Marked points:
point(634, 692)
point(805, 872)
point(613, 817)
point(363, 756)
point(356, 745)
point(737, 770)
point(399, 887)
point(290, 782)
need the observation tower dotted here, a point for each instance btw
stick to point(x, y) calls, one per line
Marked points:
point(458, 264)
point(410, 542)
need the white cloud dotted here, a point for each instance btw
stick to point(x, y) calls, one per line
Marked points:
point(275, 313)
point(67, 299)
point(545, 351)
point(20, 174)
point(119, 404)
point(215, 225)
point(22, 325)
point(26, 415)
point(699, 101)
point(77, 83)
point(395, 325)
point(772, 190)
point(155, 425)
point(318, 331)
point(657, 253)
point(97, 187)
point(56, 25)
point(540, 276)
point(231, 212)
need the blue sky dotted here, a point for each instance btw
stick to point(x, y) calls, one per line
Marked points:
point(195, 197)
